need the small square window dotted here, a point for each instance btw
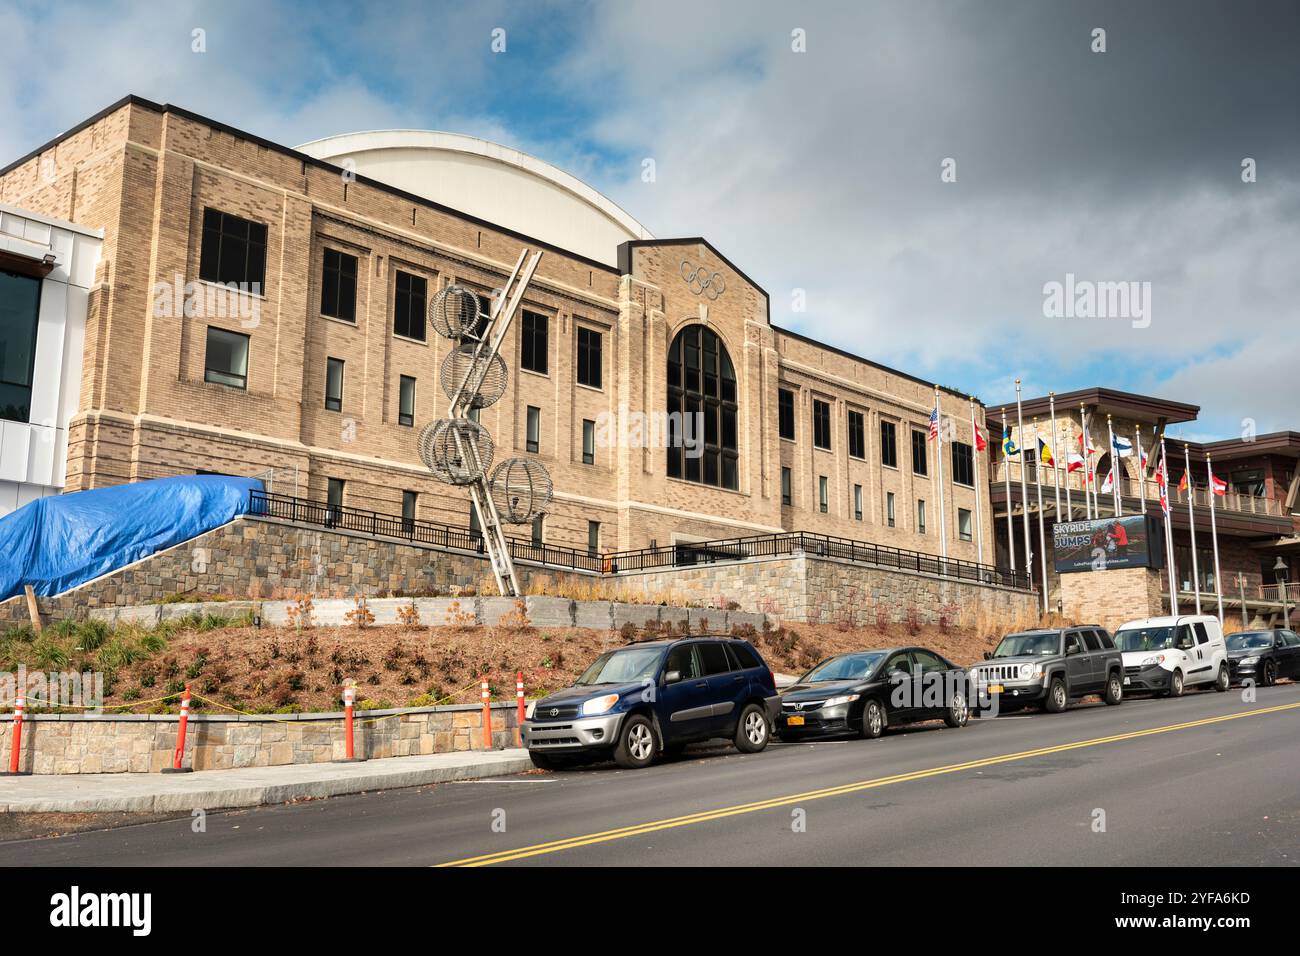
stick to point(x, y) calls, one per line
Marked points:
point(233, 251)
point(226, 359)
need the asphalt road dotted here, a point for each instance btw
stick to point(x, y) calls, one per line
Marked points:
point(1207, 779)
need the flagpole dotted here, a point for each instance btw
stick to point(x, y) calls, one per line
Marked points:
point(1117, 500)
point(1006, 478)
point(1191, 518)
point(1169, 529)
point(975, 467)
point(943, 532)
point(1085, 448)
point(1214, 534)
point(1038, 485)
point(1142, 471)
point(1024, 491)
point(1056, 466)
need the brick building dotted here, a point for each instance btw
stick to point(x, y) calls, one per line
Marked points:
point(320, 369)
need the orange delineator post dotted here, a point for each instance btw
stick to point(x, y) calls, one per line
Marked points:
point(348, 696)
point(180, 736)
point(487, 715)
point(16, 744)
point(519, 698)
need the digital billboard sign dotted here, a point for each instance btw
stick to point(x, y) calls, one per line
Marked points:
point(1132, 541)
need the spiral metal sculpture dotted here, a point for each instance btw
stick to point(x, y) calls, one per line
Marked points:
point(462, 365)
point(521, 489)
point(454, 313)
point(457, 450)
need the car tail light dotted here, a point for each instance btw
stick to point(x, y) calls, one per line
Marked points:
point(772, 674)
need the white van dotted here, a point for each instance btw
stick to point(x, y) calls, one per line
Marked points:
point(1165, 655)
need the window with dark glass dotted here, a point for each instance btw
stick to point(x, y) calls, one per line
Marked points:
point(785, 412)
point(234, 250)
point(888, 450)
point(334, 384)
point(786, 481)
point(405, 400)
point(593, 538)
point(702, 391)
point(537, 530)
point(589, 357)
point(533, 439)
point(333, 500)
point(475, 529)
point(338, 288)
point(588, 442)
point(20, 306)
point(963, 464)
point(408, 305)
point(889, 508)
point(533, 342)
point(821, 424)
point(920, 515)
point(857, 502)
point(226, 359)
point(857, 435)
point(823, 493)
point(963, 524)
point(484, 314)
point(408, 507)
point(920, 453)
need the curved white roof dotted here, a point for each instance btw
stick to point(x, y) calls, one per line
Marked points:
point(488, 181)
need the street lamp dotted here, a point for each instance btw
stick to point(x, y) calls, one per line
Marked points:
point(1282, 572)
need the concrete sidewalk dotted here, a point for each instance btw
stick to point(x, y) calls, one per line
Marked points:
point(246, 787)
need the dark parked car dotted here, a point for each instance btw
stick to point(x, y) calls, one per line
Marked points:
point(1264, 656)
point(863, 692)
point(655, 697)
point(1052, 667)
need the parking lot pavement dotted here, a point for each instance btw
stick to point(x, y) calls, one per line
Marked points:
point(1097, 785)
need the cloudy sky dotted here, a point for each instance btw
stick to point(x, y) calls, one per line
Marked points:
point(821, 170)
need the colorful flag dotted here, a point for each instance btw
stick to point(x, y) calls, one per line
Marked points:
point(934, 423)
point(1008, 446)
point(1219, 485)
point(1045, 452)
point(1074, 462)
point(1109, 483)
point(1122, 446)
point(980, 443)
point(1182, 484)
point(1142, 457)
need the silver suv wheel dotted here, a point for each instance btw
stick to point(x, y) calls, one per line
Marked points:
point(641, 742)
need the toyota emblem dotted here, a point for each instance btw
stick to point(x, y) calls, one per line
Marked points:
point(555, 712)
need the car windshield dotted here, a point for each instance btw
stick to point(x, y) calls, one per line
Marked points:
point(1145, 638)
point(1029, 645)
point(844, 667)
point(1250, 641)
point(624, 666)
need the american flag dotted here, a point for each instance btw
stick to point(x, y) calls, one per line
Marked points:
point(934, 423)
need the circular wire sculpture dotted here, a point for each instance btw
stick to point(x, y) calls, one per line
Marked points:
point(461, 365)
point(454, 312)
point(457, 450)
point(521, 489)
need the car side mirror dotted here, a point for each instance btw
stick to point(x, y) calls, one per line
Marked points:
point(988, 655)
point(1071, 649)
point(672, 677)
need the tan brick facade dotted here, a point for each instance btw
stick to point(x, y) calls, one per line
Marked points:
point(145, 174)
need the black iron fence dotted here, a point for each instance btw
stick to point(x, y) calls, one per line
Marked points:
point(643, 559)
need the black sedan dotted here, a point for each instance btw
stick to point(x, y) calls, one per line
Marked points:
point(1263, 656)
point(863, 692)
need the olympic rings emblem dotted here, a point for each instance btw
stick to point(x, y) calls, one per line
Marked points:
point(699, 281)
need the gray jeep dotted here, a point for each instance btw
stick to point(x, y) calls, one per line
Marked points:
point(1052, 667)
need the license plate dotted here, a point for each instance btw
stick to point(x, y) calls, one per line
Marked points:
point(995, 688)
point(794, 720)
point(1127, 681)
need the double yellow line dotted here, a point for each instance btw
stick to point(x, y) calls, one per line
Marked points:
point(623, 833)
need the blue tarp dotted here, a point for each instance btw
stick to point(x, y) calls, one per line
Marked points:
point(56, 543)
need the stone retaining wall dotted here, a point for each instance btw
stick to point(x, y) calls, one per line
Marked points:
point(140, 743)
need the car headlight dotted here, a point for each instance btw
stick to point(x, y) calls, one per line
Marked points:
point(843, 699)
point(528, 711)
point(1249, 660)
point(598, 705)
point(1027, 670)
point(1153, 660)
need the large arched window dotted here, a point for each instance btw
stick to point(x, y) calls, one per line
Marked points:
point(702, 409)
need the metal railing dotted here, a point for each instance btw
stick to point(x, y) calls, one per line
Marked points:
point(681, 554)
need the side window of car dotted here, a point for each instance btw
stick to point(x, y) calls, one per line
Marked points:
point(1183, 637)
point(682, 659)
point(743, 656)
point(1201, 636)
point(1091, 640)
point(928, 662)
point(713, 658)
point(899, 662)
point(1106, 640)
point(1072, 645)
point(1291, 639)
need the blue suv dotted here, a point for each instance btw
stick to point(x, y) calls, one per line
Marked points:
point(655, 697)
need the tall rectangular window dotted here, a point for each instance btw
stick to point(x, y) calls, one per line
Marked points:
point(475, 529)
point(963, 524)
point(821, 424)
point(226, 359)
point(333, 500)
point(857, 502)
point(857, 435)
point(405, 400)
point(533, 440)
point(408, 305)
point(338, 287)
point(785, 412)
point(589, 357)
point(963, 464)
point(20, 306)
point(920, 453)
point(588, 442)
point(593, 538)
point(234, 251)
point(408, 506)
point(538, 530)
point(823, 493)
point(533, 342)
point(786, 481)
point(334, 384)
point(920, 515)
point(889, 508)
point(888, 450)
